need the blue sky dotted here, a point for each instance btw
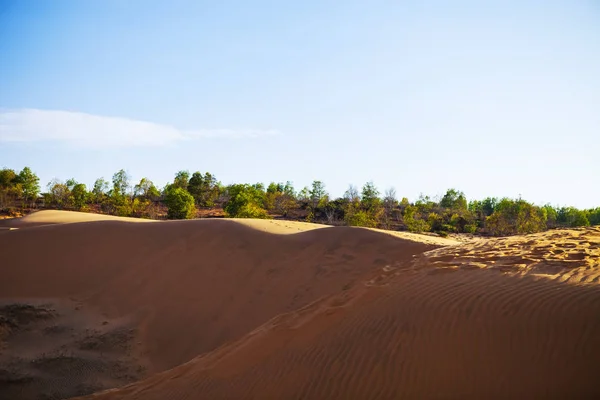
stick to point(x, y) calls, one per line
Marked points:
point(493, 98)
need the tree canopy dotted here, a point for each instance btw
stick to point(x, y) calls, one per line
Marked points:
point(180, 203)
point(199, 194)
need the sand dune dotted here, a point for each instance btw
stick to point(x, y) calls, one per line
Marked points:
point(50, 217)
point(222, 309)
point(567, 255)
point(425, 336)
point(190, 286)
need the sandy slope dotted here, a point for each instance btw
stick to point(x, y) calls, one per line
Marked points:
point(566, 255)
point(278, 227)
point(190, 286)
point(417, 330)
point(49, 217)
point(229, 310)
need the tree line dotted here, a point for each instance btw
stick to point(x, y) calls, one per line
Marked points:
point(189, 194)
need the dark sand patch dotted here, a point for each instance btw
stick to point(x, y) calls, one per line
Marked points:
point(56, 349)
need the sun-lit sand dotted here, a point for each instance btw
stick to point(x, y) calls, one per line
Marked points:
point(566, 255)
point(279, 227)
point(209, 309)
point(49, 217)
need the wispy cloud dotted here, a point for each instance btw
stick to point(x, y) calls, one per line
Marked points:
point(95, 131)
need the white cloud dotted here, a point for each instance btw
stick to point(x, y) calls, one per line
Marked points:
point(94, 131)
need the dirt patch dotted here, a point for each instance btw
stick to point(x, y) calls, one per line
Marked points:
point(60, 350)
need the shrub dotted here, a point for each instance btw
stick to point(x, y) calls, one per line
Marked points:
point(594, 216)
point(180, 203)
point(417, 225)
point(515, 217)
point(572, 217)
point(470, 228)
point(436, 222)
point(251, 210)
point(413, 221)
point(360, 218)
point(245, 201)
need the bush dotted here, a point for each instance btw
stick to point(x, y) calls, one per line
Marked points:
point(417, 225)
point(594, 216)
point(360, 218)
point(251, 210)
point(412, 220)
point(572, 217)
point(515, 217)
point(470, 228)
point(245, 201)
point(180, 203)
point(436, 222)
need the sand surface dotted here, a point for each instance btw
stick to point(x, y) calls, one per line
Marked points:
point(210, 309)
point(50, 217)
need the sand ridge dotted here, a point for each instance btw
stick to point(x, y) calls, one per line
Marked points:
point(566, 255)
point(272, 226)
point(51, 217)
point(474, 334)
point(214, 280)
point(248, 310)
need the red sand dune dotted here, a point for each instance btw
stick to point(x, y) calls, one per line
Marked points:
point(224, 310)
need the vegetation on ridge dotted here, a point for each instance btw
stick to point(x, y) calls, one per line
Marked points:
point(189, 196)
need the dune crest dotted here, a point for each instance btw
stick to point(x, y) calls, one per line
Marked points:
point(471, 334)
point(189, 286)
point(51, 217)
point(566, 255)
point(223, 309)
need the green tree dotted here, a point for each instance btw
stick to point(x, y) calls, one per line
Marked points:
point(9, 189)
point(515, 217)
point(145, 195)
point(204, 188)
point(365, 210)
point(594, 216)
point(436, 223)
point(280, 198)
point(245, 201)
point(318, 195)
point(120, 202)
point(100, 190)
point(488, 206)
point(572, 217)
point(304, 195)
point(413, 220)
point(551, 216)
point(58, 195)
point(196, 186)
point(357, 217)
point(7, 177)
point(30, 184)
point(121, 183)
point(425, 205)
point(182, 179)
point(370, 197)
point(71, 183)
point(274, 190)
point(80, 196)
point(146, 190)
point(455, 200)
point(180, 203)
point(288, 189)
